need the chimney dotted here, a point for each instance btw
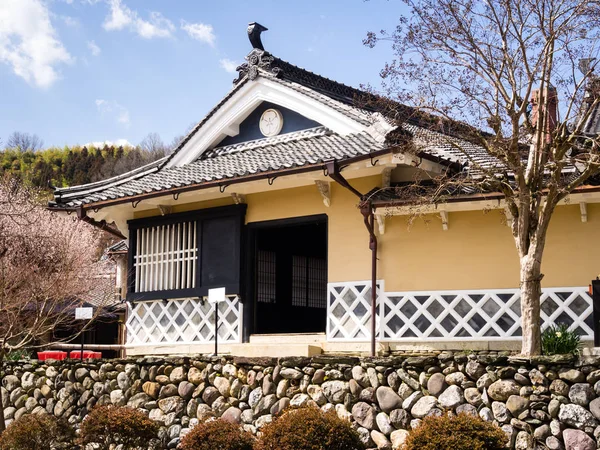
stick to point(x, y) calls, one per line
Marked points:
point(550, 102)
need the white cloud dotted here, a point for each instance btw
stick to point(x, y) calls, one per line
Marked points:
point(114, 109)
point(121, 17)
point(94, 49)
point(228, 65)
point(199, 31)
point(29, 43)
point(117, 143)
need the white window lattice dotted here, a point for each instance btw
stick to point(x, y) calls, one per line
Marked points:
point(165, 257)
point(184, 321)
point(450, 315)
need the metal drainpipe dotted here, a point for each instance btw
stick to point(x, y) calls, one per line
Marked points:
point(366, 210)
point(369, 218)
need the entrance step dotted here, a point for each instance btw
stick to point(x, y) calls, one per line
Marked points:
point(288, 338)
point(275, 350)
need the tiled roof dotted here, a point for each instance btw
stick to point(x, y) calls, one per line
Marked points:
point(297, 149)
point(119, 247)
point(292, 150)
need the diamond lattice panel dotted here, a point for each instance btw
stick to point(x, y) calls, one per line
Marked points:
point(349, 310)
point(450, 315)
point(183, 321)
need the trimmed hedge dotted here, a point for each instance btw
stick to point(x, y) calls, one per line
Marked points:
point(217, 434)
point(456, 432)
point(37, 432)
point(309, 429)
point(111, 425)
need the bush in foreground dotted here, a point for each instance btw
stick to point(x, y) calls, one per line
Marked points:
point(309, 429)
point(217, 434)
point(461, 432)
point(110, 425)
point(37, 432)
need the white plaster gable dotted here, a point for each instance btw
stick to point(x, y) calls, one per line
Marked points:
point(226, 119)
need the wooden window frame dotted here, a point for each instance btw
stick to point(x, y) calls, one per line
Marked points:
point(198, 216)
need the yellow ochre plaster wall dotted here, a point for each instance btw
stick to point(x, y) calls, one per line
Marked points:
point(476, 252)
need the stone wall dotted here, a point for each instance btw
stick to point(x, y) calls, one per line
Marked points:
point(550, 402)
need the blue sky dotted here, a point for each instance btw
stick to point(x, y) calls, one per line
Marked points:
point(79, 71)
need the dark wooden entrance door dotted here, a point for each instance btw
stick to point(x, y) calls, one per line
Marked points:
point(290, 276)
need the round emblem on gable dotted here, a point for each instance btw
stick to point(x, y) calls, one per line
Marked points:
point(271, 122)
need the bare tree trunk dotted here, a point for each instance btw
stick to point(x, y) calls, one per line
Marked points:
point(2, 424)
point(531, 291)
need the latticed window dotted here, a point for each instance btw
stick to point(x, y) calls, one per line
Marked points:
point(184, 255)
point(309, 282)
point(166, 257)
point(266, 276)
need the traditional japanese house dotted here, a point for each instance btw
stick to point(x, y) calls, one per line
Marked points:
point(267, 197)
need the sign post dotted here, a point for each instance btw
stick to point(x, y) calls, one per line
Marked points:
point(85, 313)
point(216, 296)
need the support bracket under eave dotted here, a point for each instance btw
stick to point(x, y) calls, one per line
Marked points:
point(325, 191)
point(386, 176)
point(380, 223)
point(165, 209)
point(508, 217)
point(444, 216)
point(238, 199)
point(583, 210)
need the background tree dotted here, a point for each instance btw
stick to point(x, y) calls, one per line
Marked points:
point(24, 142)
point(153, 143)
point(520, 73)
point(47, 266)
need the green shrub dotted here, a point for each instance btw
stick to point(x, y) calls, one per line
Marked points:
point(111, 425)
point(309, 429)
point(217, 434)
point(558, 340)
point(461, 432)
point(37, 432)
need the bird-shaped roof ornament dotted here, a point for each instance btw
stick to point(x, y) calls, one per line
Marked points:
point(254, 31)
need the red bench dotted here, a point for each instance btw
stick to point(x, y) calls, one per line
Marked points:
point(52, 354)
point(87, 354)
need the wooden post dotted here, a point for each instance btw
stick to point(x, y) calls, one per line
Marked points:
point(596, 311)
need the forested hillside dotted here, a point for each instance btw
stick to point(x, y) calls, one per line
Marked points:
point(23, 156)
point(70, 166)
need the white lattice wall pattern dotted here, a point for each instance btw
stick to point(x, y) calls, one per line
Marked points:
point(477, 314)
point(182, 321)
point(449, 315)
point(349, 310)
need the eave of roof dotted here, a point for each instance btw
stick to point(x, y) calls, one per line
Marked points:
point(219, 183)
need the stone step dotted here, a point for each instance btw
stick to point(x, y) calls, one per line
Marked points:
point(275, 350)
point(288, 338)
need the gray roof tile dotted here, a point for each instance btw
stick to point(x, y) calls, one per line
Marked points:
point(265, 155)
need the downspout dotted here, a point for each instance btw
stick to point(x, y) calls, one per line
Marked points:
point(369, 218)
point(366, 209)
point(81, 215)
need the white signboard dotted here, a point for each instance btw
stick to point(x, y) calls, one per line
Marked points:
point(84, 313)
point(216, 295)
